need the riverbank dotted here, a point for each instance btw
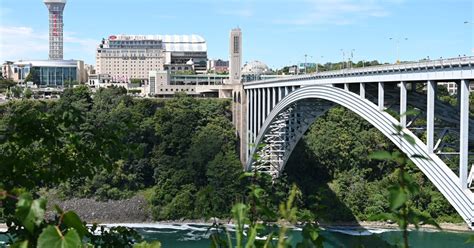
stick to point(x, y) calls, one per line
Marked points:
point(136, 210)
point(448, 227)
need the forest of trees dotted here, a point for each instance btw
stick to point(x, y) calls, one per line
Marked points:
point(183, 154)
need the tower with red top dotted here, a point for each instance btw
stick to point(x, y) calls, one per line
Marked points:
point(56, 8)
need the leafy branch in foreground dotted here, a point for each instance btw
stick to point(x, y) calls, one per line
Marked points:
point(258, 234)
point(29, 228)
point(404, 187)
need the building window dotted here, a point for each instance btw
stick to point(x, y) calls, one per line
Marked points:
point(236, 44)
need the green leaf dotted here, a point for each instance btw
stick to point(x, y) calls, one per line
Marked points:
point(51, 237)
point(3, 194)
point(411, 112)
point(398, 197)
point(145, 244)
point(251, 236)
point(72, 220)
point(246, 174)
point(381, 155)
point(30, 212)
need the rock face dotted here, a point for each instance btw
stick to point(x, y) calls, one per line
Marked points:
point(135, 209)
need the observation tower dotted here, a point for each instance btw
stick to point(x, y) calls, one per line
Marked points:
point(56, 8)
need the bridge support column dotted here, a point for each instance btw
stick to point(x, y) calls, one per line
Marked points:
point(362, 90)
point(264, 105)
point(269, 101)
point(254, 115)
point(458, 95)
point(381, 96)
point(403, 104)
point(430, 106)
point(248, 125)
point(274, 98)
point(464, 133)
point(346, 87)
point(259, 111)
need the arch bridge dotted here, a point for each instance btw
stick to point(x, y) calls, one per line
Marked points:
point(271, 116)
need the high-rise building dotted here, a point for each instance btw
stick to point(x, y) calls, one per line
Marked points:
point(126, 57)
point(56, 8)
point(235, 53)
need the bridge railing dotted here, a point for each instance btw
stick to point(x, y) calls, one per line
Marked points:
point(379, 69)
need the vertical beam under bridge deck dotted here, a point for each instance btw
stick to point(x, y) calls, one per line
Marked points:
point(403, 104)
point(464, 133)
point(430, 107)
point(274, 98)
point(362, 90)
point(264, 105)
point(381, 96)
point(259, 112)
point(254, 115)
point(248, 124)
point(269, 102)
point(346, 87)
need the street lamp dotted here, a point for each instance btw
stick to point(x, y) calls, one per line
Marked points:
point(305, 61)
point(305, 56)
point(397, 41)
point(351, 59)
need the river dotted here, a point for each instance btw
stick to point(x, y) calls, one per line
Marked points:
point(196, 236)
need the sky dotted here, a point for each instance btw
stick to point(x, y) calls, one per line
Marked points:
point(275, 32)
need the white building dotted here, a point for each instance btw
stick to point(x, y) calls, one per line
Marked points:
point(48, 73)
point(126, 57)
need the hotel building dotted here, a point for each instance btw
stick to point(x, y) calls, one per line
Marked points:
point(126, 57)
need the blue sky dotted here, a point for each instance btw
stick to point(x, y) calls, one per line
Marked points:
point(275, 32)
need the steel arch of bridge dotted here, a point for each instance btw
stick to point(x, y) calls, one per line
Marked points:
point(276, 134)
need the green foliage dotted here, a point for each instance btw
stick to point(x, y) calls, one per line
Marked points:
point(27, 93)
point(135, 81)
point(54, 142)
point(404, 188)
point(54, 238)
point(29, 228)
point(144, 244)
point(195, 162)
point(6, 84)
point(30, 212)
point(341, 182)
point(247, 225)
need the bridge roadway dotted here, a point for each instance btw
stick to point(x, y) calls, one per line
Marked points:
point(272, 115)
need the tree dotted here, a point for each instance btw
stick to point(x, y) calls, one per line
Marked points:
point(70, 83)
point(135, 81)
point(27, 93)
point(15, 91)
point(5, 84)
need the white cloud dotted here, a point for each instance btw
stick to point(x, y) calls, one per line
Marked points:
point(22, 43)
point(338, 12)
point(26, 43)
